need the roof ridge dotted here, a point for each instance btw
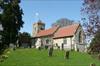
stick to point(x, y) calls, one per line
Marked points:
point(50, 28)
point(66, 31)
point(46, 32)
point(69, 25)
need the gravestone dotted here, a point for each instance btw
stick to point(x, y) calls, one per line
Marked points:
point(92, 64)
point(39, 48)
point(66, 54)
point(99, 56)
point(50, 52)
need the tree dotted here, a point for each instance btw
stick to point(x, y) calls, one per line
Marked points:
point(91, 18)
point(96, 39)
point(11, 20)
point(24, 37)
point(62, 22)
point(95, 43)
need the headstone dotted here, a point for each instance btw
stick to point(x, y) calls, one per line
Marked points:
point(50, 51)
point(62, 46)
point(14, 48)
point(39, 48)
point(66, 54)
point(99, 56)
point(92, 64)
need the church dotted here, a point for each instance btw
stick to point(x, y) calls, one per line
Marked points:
point(69, 37)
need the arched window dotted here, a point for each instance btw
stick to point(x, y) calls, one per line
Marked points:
point(80, 37)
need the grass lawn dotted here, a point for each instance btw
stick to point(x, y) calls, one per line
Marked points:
point(34, 57)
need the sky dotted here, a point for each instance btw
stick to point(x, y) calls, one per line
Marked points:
point(49, 11)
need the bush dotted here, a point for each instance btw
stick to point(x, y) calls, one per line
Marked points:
point(46, 47)
point(8, 52)
point(1, 60)
point(4, 56)
point(95, 49)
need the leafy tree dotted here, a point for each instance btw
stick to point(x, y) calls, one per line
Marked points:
point(24, 37)
point(96, 39)
point(11, 20)
point(95, 44)
point(62, 22)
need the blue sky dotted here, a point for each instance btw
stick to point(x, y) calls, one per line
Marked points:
point(49, 11)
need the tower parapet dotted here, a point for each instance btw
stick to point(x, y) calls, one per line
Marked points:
point(38, 26)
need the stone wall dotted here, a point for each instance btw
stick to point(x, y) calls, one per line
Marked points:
point(61, 44)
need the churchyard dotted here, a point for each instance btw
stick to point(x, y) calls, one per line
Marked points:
point(35, 57)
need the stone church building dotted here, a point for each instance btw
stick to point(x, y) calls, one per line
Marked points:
point(69, 37)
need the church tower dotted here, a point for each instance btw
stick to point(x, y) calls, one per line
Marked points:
point(37, 27)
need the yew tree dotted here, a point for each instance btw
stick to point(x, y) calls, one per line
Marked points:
point(11, 20)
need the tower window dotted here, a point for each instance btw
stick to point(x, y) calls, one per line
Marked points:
point(41, 28)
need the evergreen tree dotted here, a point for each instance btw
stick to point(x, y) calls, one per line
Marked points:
point(11, 20)
point(24, 37)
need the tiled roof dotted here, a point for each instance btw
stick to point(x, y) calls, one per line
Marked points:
point(47, 32)
point(66, 31)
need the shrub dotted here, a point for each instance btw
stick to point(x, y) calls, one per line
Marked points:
point(95, 49)
point(4, 56)
point(1, 60)
point(46, 47)
point(8, 52)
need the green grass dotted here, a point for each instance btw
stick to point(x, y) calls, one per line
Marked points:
point(34, 57)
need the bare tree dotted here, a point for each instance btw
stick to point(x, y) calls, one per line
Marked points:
point(91, 20)
point(91, 16)
point(62, 22)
